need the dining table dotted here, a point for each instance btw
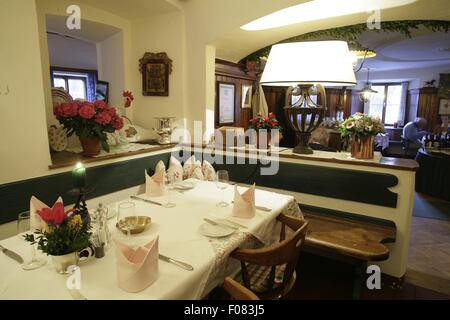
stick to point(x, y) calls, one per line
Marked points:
point(178, 231)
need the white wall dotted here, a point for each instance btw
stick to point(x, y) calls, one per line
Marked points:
point(162, 33)
point(24, 151)
point(71, 53)
point(111, 66)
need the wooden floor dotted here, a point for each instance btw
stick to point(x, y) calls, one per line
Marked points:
point(323, 279)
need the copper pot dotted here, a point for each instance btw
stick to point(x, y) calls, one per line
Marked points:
point(362, 148)
point(91, 146)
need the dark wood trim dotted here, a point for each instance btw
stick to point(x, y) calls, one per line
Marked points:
point(105, 179)
point(70, 159)
point(385, 162)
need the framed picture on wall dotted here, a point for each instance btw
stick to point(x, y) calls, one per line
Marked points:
point(444, 106)
point(102, 91)
point(155, 69)
point(246, 96)
point(226, 98)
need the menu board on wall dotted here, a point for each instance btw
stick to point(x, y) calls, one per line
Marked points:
point(226, 103)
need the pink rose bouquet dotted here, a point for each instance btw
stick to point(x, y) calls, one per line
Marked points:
point(91, 120)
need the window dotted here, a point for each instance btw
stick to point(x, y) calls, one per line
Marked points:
point(388, 103)
point(79, 83)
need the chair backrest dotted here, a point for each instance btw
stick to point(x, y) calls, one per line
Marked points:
point(286, 252)
point(238, 291)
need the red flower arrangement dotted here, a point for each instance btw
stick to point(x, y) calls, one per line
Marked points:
point(62, 232)
point(91, 120)
point(261, 122)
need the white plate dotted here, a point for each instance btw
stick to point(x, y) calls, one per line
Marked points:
point(213, 231)
point(184, 185)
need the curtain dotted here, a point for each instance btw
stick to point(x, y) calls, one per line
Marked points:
point(91, 86)
point(259, 103)
point(401, 115)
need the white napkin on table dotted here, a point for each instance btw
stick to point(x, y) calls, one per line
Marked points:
point(36, 221)
point(244, 204)
point(154, 185)
point(137, 268)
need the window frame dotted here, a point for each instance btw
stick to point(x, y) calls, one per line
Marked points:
point(88, 72)
point(386, 85)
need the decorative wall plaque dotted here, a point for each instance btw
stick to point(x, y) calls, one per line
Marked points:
point(155, 69)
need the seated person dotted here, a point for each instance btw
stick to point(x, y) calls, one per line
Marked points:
point(413, 132)
point(444, 127)
point(319, 140)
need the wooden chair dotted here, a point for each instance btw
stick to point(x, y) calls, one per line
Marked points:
point(237, 291)
point(270, 271)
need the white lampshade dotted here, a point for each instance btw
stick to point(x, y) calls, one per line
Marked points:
point(314, 62)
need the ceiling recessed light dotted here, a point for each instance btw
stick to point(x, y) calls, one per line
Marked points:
point(320, 9)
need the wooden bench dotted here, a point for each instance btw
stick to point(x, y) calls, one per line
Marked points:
point(349, 240)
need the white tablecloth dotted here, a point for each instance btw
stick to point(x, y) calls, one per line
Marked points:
point(178, 238)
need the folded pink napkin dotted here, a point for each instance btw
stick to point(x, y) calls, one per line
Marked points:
point(154, 185)
point(137, 268)
point(244, 204)
point(36, 221)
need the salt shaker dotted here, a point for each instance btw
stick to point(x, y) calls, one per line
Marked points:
point(103, 229)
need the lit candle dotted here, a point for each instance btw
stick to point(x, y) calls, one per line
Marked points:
point(79, 175)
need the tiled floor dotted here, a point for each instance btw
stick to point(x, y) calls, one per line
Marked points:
point(429, 254)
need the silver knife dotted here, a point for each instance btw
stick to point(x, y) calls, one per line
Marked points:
point(146, 200)
point(176, 262)
point(216, 223)
point(11, 254)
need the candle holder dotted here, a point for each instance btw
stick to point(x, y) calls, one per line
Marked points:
point(80, 206)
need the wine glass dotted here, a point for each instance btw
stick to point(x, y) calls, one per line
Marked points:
point(23, 225)
point(222, 180)
point(126, 217)
point(169, 193)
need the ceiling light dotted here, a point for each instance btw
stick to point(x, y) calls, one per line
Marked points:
point(320, 9)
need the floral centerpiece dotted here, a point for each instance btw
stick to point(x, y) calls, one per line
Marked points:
point(362, 128)
point(63, 235)
point(91, 121)
point(263, 126)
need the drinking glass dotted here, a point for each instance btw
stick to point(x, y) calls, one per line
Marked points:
point(222, 180)
point(23, 226)
point(169, 193)
point(126, 217)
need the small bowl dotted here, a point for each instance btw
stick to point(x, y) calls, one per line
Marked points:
point(141, 226)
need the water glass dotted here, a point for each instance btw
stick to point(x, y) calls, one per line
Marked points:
point(23, 225)
point(126, 217)
point(169, 193)
point(222, 182)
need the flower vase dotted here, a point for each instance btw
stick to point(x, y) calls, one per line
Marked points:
point(61, 263)
point(91, 146)
point(362, 148)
